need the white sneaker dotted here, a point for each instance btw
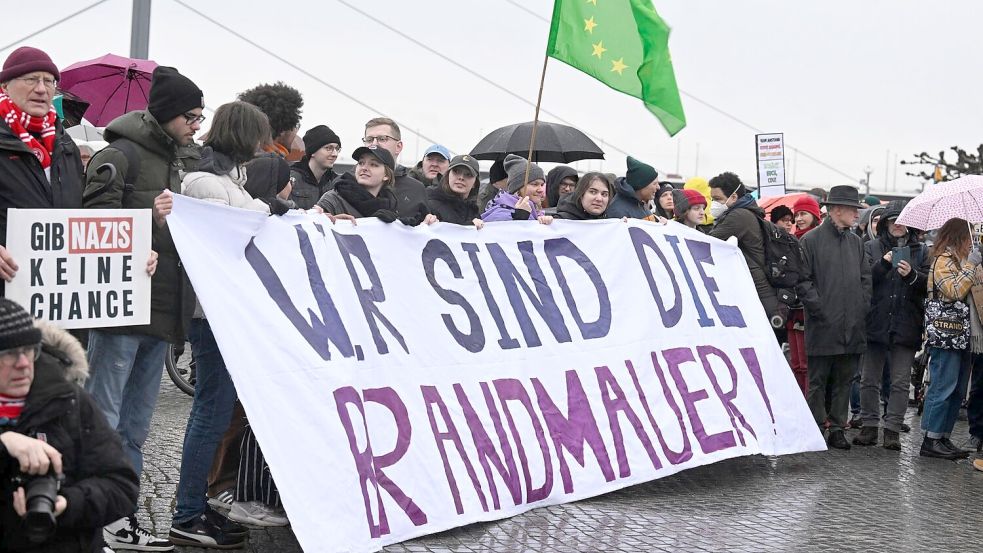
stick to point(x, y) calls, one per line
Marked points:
point(256, 513)
point(222, 501)
point(126, 534)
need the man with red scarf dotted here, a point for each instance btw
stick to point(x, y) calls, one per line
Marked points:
point(40, 166)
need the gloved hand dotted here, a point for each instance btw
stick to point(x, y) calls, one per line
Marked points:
point(385, 215)
point(279, 206)
point(975, 257)
point(414, 219)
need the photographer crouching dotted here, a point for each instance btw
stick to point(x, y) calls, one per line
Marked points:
point(63, 475)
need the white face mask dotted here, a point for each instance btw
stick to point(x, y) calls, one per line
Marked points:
point(717, 208)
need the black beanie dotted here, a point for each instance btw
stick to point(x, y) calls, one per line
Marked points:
point(16, 326)
point(497, 171)
point(172, 94)
point(319, 137)
point(267, 175)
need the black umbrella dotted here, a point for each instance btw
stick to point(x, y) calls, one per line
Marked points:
point(555, 143)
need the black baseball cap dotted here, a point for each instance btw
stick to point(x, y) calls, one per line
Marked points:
point(382, 154)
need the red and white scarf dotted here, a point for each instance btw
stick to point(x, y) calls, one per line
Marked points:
point(23, 125)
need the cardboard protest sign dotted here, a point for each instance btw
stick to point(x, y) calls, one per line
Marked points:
point(81, 268)
point(403, 381)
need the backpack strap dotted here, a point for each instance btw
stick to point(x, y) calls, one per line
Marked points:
point(129, 150)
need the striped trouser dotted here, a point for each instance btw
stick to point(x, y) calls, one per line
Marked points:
point(254, 482)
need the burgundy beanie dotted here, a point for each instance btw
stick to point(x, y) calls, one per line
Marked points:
point(25, 60)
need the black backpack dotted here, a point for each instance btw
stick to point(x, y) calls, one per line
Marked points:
point(785, 262)
point(129, 150)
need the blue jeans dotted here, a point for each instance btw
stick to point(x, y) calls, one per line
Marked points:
point(948, 374)
point(211, 412)
point(124, 379)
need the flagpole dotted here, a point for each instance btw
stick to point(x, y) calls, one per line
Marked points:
point(535, 121)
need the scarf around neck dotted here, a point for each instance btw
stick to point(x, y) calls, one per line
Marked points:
point(27, 128)
point(362, 200)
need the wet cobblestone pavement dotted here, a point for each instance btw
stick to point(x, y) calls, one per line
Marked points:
point(865, 499)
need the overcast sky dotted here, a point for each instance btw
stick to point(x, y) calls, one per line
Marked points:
point(852, 84)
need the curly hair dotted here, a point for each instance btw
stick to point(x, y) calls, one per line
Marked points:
point(280, 102)
point(728, 183)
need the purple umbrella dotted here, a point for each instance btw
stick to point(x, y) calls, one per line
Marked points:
point(113, 85)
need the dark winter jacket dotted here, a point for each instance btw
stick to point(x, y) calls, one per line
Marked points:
point(502, 208)
point(836, 291)
point(626, 204)
point(897, 308)
point(416, 173)
point(23, 183)
point(100, 484)
point(571, 210)
point(741, 220)
point(162, 166)
point(306, 189)
point(451, 208)
point(411, 195)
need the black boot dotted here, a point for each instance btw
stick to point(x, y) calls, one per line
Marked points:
point(867, 436)
point(933, 447)
point(838, 440)
point(892, 440)
point(960, 453)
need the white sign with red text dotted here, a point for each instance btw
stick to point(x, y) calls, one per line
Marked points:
point(81, 268)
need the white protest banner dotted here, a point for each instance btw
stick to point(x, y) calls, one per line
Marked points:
point(403, 381)
point(81, 268)
point(770, 150)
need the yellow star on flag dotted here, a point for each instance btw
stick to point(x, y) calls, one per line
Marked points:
point(589, 25)
point(599, 49)
point(618, 65)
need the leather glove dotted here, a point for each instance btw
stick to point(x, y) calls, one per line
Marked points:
point(385, 215)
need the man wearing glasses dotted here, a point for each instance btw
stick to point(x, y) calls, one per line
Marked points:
point(49, 430)
point(40, 166)
point(411, 195)
point(148, 153)
point(312, 175)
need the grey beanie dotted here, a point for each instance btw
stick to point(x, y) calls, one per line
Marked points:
point(515, 166)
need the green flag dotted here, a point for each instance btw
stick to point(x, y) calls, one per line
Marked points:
point(625, 45)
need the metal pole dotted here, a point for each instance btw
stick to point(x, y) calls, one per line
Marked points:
point(140, 30)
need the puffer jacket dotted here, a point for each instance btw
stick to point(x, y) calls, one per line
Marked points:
point(162, 166)
point(502, 208)
point(220, 181)
point(100, 485)
point(897, 307)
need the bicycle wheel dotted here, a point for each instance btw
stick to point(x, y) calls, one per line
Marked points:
point(180, 366)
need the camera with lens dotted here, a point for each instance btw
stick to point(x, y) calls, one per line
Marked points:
point(40, 494)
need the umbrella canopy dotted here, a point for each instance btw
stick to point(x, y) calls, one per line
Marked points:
point(788, 200)
point(960, 198)
point(112, 85)
point(555, 143)
point(84, 131)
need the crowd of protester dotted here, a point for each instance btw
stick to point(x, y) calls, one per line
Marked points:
point(852, 323)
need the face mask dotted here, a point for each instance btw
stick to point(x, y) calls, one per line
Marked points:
point(717, 209)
